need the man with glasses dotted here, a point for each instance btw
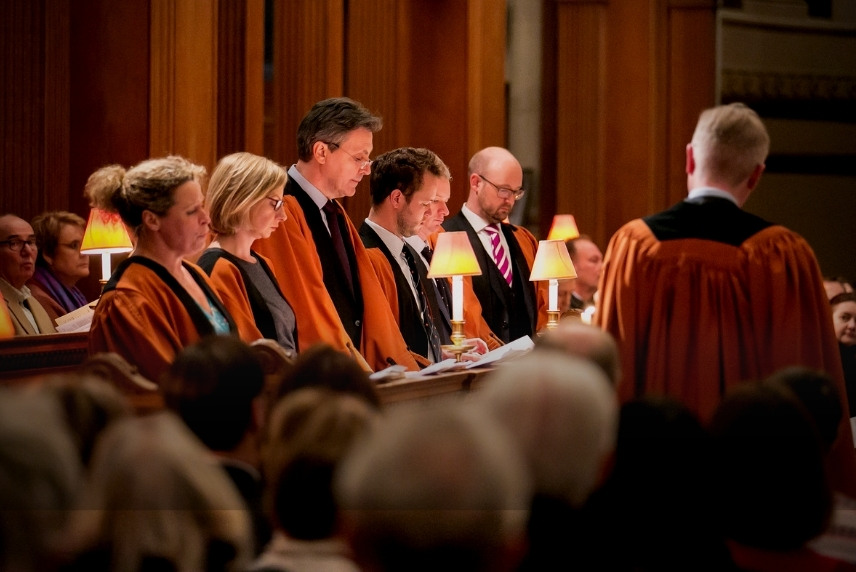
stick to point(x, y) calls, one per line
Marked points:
point(317, 254)
point(511, 304)
point(17, 265)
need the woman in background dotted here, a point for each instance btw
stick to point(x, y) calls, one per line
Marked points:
point(244, 199)
point(59, 264)
point(156, 303)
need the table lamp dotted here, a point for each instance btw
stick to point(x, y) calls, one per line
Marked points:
point(564, 228)
point(453, 256)
point(105, 234)
point(553, 263)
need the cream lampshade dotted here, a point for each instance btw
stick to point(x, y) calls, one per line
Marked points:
point(453, 256)
point(564, 228)
point(553, 263)
point(105, 234)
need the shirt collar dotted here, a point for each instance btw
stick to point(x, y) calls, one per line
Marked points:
point(393, 242)
point(20, 295)
point(416, 242)
point(700, 192)
point(317, 196)
point(477, 222)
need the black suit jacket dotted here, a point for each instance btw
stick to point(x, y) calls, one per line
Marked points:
point(510, 312)
point(409, 313)
point(348, 303)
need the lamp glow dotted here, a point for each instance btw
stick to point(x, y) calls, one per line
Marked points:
point(105, 234)
point(564, 228)
point(454, 257)
point(553, 263)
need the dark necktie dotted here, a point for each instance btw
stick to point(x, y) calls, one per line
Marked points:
point(427, 317)
point(441, 283)
point(338, 241)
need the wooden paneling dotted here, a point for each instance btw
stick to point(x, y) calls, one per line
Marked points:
point(308, 40)
point(183, 92)
point(109, 89)
point(240, 77)
point(631, 77)
point(34, 106)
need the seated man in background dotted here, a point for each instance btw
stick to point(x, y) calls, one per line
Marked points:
point(17, 265)
point(835, 285)
point(588, 262)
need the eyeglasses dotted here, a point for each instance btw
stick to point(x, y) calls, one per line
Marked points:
point(16, 244)
point(277, 203)
point(73, 245)
point(504, 192)
point(363, 163)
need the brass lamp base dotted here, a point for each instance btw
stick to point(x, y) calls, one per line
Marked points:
point(553, 319)
point(458, 347)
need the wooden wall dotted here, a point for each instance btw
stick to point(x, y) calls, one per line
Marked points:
point(98, 81)
point(624, 81)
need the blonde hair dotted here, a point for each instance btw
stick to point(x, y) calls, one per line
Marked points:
point(238, 182)
point(149, 185)
point(47, 227)
point(729, 142)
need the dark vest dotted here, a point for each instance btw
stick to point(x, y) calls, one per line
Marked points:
point(510, 311)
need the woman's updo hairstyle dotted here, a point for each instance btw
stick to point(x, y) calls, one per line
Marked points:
point(149, 185)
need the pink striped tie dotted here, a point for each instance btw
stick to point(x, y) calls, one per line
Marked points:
point(500, 256)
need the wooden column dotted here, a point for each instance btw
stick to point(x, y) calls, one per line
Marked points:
point(629, 79)
point(183, 84)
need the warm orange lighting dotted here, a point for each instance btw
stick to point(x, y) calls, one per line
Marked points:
point(454, 256)
point(564, 228)
point(553, 263)
point(105, 234)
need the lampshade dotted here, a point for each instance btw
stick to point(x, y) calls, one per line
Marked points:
point(105, 234)
point(564, 228)
point(552, 261)
point(453, 256)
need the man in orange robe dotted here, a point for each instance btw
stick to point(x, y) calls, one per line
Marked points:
point(317, 255)
point(704, 295)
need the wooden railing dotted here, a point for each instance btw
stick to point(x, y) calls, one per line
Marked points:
point(25, 359)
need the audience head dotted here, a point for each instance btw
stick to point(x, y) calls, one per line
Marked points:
point(153, 197)
point(835, 285)
point(844, 318)
point(40, 474)
point(495, 183)
point(431, 488)
point(244, 195)
point(588, 262)
point(585, 341)
point(212, 386)
point(157, 497)
point(308, 433)
point(18, 248)
point(772, 488)
point(334, 141)
point(323, 366)
point(404, 183)
point(818, 394)
point(563, 414)
point(729, 145)
point(59, 235)
point(89, 405)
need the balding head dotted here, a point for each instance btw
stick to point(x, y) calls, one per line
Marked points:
point(494, 176)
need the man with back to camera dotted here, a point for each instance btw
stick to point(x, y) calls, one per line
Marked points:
point(317, 255)
point(17, 265)
point(704, 296)
point(511, 305)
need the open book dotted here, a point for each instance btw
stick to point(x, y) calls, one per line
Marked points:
point(77, 320)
